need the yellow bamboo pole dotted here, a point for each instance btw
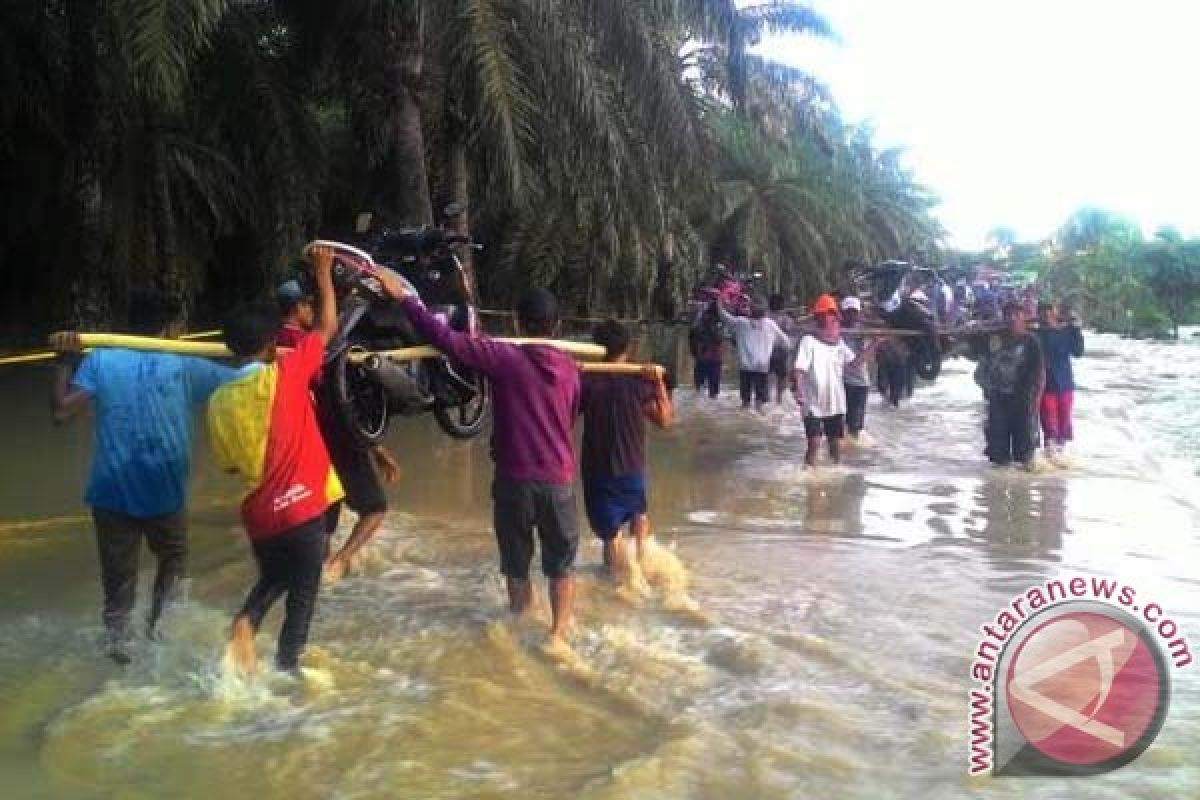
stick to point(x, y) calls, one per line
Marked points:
point(218, 350)
point(617, 368)
point(48, 355)
point(577, 349)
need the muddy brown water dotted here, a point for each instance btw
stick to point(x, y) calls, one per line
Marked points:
point(799, 635)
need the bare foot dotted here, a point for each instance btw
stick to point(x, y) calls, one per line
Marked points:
point(240, 650)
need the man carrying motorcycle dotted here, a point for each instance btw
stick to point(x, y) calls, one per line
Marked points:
point(362, 471)
point(536, 393)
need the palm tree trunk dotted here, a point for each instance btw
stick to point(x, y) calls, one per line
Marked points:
point(409, 195)
point(459, 180)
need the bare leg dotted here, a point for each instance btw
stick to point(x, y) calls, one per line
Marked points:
point(835, 449)
point(640, 527)
point(811, 450)
point(241, 645)
point(616, 560)
point(365, 529)
point(562, 599)
point(520, 595)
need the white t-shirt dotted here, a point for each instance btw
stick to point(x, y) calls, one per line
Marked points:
point(823, 366)
point(756, 339)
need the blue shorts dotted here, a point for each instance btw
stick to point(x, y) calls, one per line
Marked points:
point(612, 502)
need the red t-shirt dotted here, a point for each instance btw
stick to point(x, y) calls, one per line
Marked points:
point(264, 426)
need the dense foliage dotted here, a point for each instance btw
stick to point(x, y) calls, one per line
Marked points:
point(609, 149)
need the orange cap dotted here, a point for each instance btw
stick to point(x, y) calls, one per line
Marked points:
point(825, 305)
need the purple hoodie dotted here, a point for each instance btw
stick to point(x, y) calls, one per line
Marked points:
point(535, 391)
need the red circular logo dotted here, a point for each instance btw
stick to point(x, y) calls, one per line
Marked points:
point(1085, 688)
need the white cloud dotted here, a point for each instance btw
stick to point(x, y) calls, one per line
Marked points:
point(1018, 112)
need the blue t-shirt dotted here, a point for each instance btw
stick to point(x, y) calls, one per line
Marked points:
point(1060, 345)
point(144, 404)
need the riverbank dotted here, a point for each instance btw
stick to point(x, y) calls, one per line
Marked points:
point(817, 641)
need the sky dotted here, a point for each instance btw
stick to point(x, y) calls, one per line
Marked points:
point(1018, 112)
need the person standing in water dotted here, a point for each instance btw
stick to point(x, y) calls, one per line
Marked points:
point(1014, 375)
point(820, 380)
point(1060, 343)
point(613, 465)
point(705, 341)
point(536, 395)
point(362, 471)
point(263, 426)
point(757, 337)
point(855, 379)
point(137, 489)
point(782, 358)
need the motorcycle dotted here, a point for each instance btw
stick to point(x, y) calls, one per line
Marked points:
point(891, 288)
point(368, 387)
point(734, 291)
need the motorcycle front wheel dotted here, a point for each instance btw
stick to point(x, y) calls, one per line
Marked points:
point(359, 401)
point(465, 420)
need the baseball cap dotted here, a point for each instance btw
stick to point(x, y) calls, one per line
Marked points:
point(825, 305)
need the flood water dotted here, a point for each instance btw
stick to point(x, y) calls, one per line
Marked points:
point(801, 635)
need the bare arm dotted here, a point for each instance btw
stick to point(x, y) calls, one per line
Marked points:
point(386, 462)
point(660, 410)
point(322, 260)
point(67, 402)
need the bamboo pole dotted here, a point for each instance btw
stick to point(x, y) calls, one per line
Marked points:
point(218, 350)
point(48, 355)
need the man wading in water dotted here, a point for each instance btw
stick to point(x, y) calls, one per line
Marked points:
point(1013, 378)
point(263, 426)
point(138, 485)
point(1059, 345)
point(820, 380)
point(757, 337)
point(615, 409)
point(536, 392)
point(362, 471)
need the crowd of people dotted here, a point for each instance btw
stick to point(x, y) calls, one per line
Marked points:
point(270, 421)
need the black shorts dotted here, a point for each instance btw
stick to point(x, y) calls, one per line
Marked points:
point(364, 489)
point(521, 506)
point(834, 427)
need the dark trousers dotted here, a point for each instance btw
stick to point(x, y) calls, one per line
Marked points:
point(519, 508)
point(1010, 429)
point(119, 542)
point(288, 563)
point(753, 383)
point(707, 374)
point(856, 407)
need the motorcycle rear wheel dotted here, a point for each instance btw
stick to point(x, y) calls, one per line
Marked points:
point(359, 401)
point(466, 420)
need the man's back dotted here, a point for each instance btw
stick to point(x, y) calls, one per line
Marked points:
point(263, 425)
point(535, 399)
point(144, 404)
point(614, 424)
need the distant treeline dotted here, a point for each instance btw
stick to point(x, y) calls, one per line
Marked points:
point(609, 149)
point(1103, 265)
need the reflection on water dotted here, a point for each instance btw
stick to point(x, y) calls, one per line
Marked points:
point(795, 634)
